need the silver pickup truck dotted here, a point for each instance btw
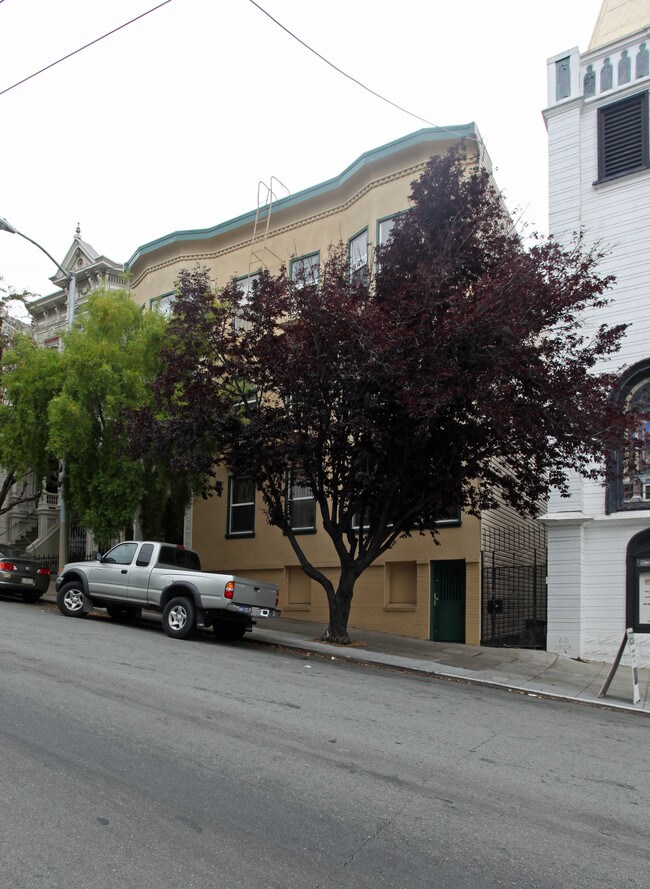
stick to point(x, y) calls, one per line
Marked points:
point(166, 578)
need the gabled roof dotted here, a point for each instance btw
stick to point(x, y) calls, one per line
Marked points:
point(618, 18)
point(82, 257)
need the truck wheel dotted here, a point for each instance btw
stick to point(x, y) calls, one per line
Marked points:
point(70, 600)
point(179, 617)
point(123, 613)
point(229, 630)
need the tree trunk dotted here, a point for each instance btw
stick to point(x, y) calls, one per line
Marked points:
point(339, 602)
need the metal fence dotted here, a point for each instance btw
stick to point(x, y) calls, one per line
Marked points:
point(513, 585)
point(52, 562)
point(513, 603)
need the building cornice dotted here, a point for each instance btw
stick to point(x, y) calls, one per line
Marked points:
point(413, 170)
point(432, 135)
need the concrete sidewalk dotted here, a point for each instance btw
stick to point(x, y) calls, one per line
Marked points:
point(532, 672)
point(523, 670)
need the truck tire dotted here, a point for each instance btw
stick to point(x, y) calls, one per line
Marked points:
point(179, 617)
point(123, 613)
point(70, 600)
point(229, 630)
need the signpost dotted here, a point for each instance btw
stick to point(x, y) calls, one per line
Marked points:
point(628, 639)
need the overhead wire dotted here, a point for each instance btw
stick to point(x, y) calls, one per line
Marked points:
point(81, 48)
point(363, 86)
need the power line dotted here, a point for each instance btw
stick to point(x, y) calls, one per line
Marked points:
point(339, 70)
point(358, 82)
point(81, 48)
point(479, 142)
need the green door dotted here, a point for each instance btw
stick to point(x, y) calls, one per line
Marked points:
point(448, 601)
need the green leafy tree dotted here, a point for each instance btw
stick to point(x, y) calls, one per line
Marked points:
point(31, 379)
point(110, 357)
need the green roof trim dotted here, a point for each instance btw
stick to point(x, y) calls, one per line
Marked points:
point(430, 134)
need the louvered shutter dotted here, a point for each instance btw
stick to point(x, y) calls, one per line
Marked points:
point(623, 137)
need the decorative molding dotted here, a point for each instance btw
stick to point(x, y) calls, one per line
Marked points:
point(316, 217)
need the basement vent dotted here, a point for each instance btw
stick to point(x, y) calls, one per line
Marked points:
point(623, 137)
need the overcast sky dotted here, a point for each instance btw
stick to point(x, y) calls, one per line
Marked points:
point(170, 123)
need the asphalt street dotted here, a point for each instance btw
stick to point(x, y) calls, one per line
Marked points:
point(129, 759)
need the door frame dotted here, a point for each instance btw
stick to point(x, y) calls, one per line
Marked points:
point(434, 612)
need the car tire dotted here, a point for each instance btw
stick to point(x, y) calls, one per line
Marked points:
point(31, 597)
point(71, 600)
point(123, 613)
point(229, 630)
point(179, 617)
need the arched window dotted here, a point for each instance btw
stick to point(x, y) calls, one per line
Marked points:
point(630, 487)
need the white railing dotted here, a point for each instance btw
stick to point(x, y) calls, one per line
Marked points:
point(48, 500)
point(20, 528)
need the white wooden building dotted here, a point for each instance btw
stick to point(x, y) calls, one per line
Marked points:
point(599, 180)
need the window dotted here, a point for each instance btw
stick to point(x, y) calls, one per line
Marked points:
point(244, 285)
point(356, 525)
point(305, 269)
point(623, 137)
point(636, 482)
point(562, 79)
point(241, 507)
point(122, 554)
point(358, 254)
point(163, 304)
point(301, 505)
point(144, 556)
point(177, 557)
point(630, 487)
point(384, 228)
point(452, 518)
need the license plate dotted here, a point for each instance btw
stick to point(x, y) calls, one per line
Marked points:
point(28, 580)
point(259, 612)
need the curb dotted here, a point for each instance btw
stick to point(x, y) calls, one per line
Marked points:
point(434, 674)
point(454, 677)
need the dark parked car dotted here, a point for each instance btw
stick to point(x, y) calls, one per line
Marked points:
point(19, 573)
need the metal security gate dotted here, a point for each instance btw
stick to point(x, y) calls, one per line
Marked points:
point(513, 592)
point(77, 543)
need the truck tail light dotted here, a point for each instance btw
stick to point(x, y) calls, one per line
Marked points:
point(277, 598)
point(44, 571)
point(229, 592)
point(7, 566)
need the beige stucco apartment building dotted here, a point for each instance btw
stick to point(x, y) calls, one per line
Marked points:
point(418, 588)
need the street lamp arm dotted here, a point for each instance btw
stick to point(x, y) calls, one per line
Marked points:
point(8, 227)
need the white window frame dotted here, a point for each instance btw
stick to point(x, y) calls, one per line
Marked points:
point(309, 263)
point(244, 285)
point(232, 505)
point(358, 251)
point(291, 499)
